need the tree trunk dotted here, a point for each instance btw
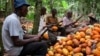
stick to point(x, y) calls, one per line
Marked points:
point(9, 7)
point(38, 5)
point(1, 45)
point(51, 4)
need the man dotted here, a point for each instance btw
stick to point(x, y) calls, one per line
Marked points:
point(52, 19)
point(67, 22)
point(14, 41)
point(42, 23)
point(67, 18)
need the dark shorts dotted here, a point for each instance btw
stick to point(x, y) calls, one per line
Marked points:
point(35, 49)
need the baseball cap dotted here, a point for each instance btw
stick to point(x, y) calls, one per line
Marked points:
point(19, 3)
point(91, 15)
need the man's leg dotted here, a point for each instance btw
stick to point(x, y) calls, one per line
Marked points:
point(35, 48)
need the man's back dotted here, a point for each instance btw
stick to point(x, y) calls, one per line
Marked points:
point(42, 23)
point(11, 27)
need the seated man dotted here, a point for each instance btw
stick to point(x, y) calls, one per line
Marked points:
point(15, 42)
point(42, 22)
point(68, 23)
point(53, 20)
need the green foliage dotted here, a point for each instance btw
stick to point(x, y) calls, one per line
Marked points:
point(64, 4)
point(30, 14)
point(2, 4)
point(60, 5)
point(80, 6)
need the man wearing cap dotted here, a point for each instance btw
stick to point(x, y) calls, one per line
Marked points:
point(14, 41)
point(92, 19)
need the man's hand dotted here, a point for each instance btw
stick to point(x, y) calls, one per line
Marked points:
point(36, 38)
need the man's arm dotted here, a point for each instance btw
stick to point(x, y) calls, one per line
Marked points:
point(74, 21)
point(27, 36)
point(19, 42)
point(69, 24)
point(15, 32)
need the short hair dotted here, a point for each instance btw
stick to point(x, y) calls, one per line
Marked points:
point(69, 12)
point(54, 10)
point(43, 8)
